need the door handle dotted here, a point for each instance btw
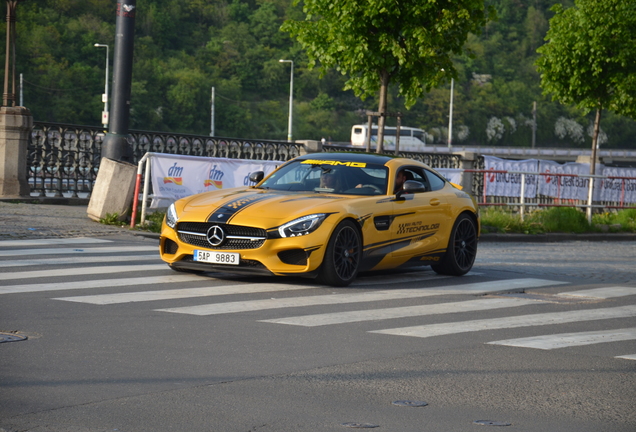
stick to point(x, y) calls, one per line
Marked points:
point(434, 202)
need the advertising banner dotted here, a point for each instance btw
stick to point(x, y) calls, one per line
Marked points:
point(507, 184)
point(453, 175)
point(571, 186)
point(179, 176)
point(621, 191)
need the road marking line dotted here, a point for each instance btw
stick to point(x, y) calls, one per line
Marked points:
point(81, 271)
point(563, 340)
point(431, 330)
point(601, 293)
point(79, 260)
point(254, 305)
point(401, 312)
point(55, 241)
point(78, 250)
point(103, 283)
point(627, 357)
point(173, 294)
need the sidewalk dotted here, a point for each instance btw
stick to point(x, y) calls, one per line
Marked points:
point(33, 221)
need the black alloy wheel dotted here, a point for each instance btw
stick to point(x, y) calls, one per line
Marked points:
point(462, 248)
point(342, 257)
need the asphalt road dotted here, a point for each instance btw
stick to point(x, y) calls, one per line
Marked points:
point(540, 336)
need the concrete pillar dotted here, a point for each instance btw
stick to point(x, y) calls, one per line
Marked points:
point(113, 191)
point(15, 126)
point(468, 162)
point(310, 146)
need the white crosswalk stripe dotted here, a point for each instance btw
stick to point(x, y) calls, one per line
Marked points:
point(431, 330)
point(372, 296)
point(49, 242)
point(81, 271)
point(77, 251)
point(181, 293)
point(101, 283)
point(563, 340)
point(437, 309)
point(40, 263)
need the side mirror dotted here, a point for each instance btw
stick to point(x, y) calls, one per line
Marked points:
point(256, 176)
point(411, 186)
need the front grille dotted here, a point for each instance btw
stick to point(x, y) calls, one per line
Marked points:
point(237, 237)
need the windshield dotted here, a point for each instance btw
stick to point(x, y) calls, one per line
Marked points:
point(348, 178)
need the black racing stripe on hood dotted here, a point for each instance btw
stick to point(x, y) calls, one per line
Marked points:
point(227, 211)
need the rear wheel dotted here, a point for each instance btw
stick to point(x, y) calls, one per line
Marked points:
point(342, 257)
point(462, 248)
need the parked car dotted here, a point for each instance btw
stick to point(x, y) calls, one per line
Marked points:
point(329, 216)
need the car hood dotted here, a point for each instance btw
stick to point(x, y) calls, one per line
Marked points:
point(260, 208)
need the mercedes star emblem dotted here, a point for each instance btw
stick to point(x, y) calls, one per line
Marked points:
point(216, 235)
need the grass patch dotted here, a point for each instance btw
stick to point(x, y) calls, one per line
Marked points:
point(555, 219)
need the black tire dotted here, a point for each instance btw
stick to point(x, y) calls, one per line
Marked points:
point(342, 257)
point(462, 248)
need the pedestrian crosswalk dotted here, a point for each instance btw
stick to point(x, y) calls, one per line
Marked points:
point(80, 268)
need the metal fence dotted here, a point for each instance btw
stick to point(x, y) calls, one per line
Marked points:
point(622, 198)
point(63, 160)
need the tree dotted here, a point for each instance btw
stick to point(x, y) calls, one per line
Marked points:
point(376, 42)
point(590, 59)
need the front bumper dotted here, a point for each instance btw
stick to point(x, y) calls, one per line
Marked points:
point(301, 256)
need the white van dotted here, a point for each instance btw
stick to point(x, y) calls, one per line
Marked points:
point(411, 139)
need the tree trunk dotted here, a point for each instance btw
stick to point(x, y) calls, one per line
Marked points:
point(597, 128)
point(590, 193)
point(384, 86)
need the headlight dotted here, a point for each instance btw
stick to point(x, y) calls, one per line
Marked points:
point(171, 216)
point(301, 226)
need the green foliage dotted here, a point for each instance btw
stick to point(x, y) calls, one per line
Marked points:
point(152, 223)
point(373, 40)
point(111, 219)
point(590, 57)
point(185, 47)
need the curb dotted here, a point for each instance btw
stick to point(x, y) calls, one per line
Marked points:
point(556, 237)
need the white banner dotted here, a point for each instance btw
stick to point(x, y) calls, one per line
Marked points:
point(506, 184)
point(574, 186)
point(618, 190)
point(453, 175)
point(179, 176)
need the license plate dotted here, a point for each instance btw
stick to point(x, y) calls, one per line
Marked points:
point(216, 257)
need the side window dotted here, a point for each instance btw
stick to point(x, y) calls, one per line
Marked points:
point(436, 182)
point(417, 174)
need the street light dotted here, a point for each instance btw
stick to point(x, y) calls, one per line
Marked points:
point(450, 116)
point(291, 95)
point(105, 95)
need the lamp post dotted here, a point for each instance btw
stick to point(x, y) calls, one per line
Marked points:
point(8, 96)
point(291, 95)
point(105, 95)
point(450, 116)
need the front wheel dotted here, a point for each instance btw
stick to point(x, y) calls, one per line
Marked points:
point(342, 257)
point(462, 248)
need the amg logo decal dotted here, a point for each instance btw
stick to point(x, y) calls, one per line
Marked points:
point(329, 162)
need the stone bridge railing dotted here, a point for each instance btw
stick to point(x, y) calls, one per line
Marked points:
point(63, 160)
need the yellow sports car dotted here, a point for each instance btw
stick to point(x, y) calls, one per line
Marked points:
point(326, 215)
